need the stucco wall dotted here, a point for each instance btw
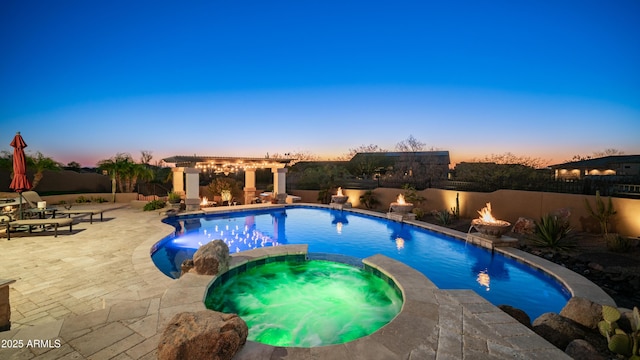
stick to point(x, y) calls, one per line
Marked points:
point(509, 205)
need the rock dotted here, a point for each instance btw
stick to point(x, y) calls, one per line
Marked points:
point(202, 335)
point(583, 311)
point(524, 226)
point(517, 314)
point(596, 266)
point(557, 329)
point(581, 349)
point(186, 266)
point(212, 258)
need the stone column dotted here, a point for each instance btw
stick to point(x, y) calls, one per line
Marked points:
point(5, 306)
point(280, 183)
point(192, 192)
point(178, 180)
point(249, 185)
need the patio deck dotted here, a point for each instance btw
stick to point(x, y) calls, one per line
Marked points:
point(97, 294)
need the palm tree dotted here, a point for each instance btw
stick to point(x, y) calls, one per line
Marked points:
point(110, 166)
point(40, 163)
point(124, 172)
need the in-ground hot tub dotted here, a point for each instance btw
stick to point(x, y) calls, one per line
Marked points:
point(295, 302)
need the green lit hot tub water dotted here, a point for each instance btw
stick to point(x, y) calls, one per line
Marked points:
point(308, 303)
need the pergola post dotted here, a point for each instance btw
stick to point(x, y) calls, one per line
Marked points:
point(178, 180)
point(280, 183)
point(249, 185)
point(192, 195)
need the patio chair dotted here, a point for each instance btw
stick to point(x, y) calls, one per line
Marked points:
point(33, 198)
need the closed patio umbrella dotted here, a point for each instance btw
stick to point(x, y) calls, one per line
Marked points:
point(19, 183)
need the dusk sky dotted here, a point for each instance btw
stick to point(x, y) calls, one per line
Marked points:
point(84, 80)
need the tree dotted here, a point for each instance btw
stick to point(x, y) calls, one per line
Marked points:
point(6, 160)
point(124, 172)
point(410, 144)
point(368, 163)
point(371, 148)
point(145, 157)
point(73, 166)
point(596, 154)
point(512, 159)
point(40, 163)
point(607, 152)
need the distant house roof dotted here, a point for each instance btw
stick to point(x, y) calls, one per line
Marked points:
point(441, 157)
point(600, 163)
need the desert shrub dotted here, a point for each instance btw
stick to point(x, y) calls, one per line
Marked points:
point(419, 212)
point(617, 243)
point(81, 199)
point(369, 199)
point(443, 217)
point(154, 205)
point(552, 231)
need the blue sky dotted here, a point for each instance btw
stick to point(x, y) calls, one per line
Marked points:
point(84, 80)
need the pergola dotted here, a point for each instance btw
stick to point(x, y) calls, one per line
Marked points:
point(186, 174)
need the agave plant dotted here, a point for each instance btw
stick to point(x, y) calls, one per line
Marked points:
point(551, 231)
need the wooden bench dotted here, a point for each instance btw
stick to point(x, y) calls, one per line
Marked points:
point(39, 222)
point(90, 212)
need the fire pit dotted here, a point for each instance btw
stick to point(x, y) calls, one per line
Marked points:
point(401, 206)
point(205, 202)
point(339, 198)
point(488, 225)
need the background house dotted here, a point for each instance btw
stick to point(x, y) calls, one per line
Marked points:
point(621, 166)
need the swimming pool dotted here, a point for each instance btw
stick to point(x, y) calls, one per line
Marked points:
point(450, 263)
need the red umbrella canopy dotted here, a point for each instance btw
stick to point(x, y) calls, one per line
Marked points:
point(20, 182)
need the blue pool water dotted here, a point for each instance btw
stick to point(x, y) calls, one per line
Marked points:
point(448, 262)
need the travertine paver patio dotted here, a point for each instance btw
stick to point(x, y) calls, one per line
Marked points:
point(96, 294)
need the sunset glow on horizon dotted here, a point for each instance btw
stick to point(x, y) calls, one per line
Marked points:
point(83, 81)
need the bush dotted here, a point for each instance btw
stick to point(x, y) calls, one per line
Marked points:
point(154, 205)
point(369, 199)
point(551, 231)
point(81, 199)
point(99, 200)
point(443, 217)
point(617, 243)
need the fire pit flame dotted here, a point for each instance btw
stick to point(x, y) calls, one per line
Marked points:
point(401, 205)
point(339, 198)
point(485, 215)
point(489, 225)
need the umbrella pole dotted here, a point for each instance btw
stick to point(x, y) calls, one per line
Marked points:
point(20, 207)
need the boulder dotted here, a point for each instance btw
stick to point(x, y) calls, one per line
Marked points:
point(581, 349)
point(202, 335)
point(212, 258)
point(517, 314)
point(186, 266)
point(524, 226)
point(557, 329)
point(583, 311)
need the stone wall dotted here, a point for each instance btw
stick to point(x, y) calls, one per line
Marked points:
point(507, 205)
